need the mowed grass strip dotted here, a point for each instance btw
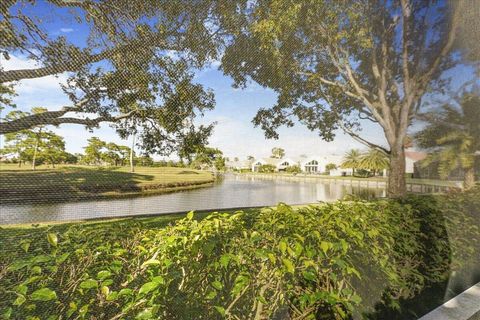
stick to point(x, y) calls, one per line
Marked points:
point(18, 185)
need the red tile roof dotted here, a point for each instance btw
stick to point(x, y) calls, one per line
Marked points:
point(415, 155)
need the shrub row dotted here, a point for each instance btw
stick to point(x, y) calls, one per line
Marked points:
point(324, 261)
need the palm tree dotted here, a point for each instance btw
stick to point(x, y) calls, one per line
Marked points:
point(374, 160)
point(351, 159)
point(453, 136)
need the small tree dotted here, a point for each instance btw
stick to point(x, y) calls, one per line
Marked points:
point(374, 160)
point(293, 169)
point(351, 160)
point(331, 166)
point(277, 153)
point(94, 151)
point(267, 168)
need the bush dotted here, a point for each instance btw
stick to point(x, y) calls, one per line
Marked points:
point(319, 261)
point(267, 168)
point(293, 169)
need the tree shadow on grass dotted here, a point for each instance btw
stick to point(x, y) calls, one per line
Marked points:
point(66, 184)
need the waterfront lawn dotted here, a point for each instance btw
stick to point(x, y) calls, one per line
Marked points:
point(329, 260)
point(18, 185)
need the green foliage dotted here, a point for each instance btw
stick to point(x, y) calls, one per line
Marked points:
point(374, 160)
point(330, 166)
point(36, 145)
point(135, 69)
point(293, 169)
point(452, 136)
point(209, 158)
point(278, 153)
point(267, 168)
point(98, 151)
point(351, 160)
point(319, 260)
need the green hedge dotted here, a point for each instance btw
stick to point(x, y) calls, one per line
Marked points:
point(317, 261)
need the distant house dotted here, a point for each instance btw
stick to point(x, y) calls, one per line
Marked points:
point(318, 164)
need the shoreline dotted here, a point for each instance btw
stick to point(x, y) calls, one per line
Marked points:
point(145, 191)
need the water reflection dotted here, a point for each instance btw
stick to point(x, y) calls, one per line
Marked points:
point(229, 192)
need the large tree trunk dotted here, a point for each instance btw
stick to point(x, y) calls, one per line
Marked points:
point(469, 178)
point(397, 186)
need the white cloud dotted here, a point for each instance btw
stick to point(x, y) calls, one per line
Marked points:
point(66, 30)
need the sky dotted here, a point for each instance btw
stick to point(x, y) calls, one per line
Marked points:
point(234, 133)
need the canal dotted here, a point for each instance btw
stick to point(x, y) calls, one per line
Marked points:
point(230, 191)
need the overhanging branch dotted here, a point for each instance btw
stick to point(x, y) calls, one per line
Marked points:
point(363, 141)
point(56, 118)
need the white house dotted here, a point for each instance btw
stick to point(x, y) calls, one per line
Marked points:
point(318, 164)
point(411, 157)
point(280, 164)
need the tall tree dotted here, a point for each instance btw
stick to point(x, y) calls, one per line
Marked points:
point(351, 160)
point(452, 135)
point(26, 143)
point(336, 64)
point(134, 67)
point(94, 151)
point(277, 153)
point(52, 149)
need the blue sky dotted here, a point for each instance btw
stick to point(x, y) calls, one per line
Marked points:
point(234, 133)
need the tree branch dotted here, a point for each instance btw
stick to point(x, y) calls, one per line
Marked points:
point(362, 140)
point(20, 74)
point(55, 118)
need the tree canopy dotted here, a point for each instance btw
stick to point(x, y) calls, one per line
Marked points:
point(337, 64)
point(134, 70)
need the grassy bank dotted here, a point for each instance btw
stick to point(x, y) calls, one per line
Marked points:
point(68, 183)
point(330, 261)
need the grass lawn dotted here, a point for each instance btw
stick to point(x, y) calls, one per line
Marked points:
point(19, 185)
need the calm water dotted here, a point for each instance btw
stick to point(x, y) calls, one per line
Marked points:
point(229, 192)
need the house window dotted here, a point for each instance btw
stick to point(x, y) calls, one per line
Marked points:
point(311, 166)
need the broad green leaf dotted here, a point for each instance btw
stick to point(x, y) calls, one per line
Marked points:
point(325, 246)
point(105, 290)
point(289, 265)
point(150, 262)
point(20, 300)
point(52, 239)
point(125, 292)
point(147, 287)
point(220, 310)
point(211, 295)
point(89, 284)
point(44, 294)
point(217, 285)
point(104, 274)
point(282, 246)
point(190, 215)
